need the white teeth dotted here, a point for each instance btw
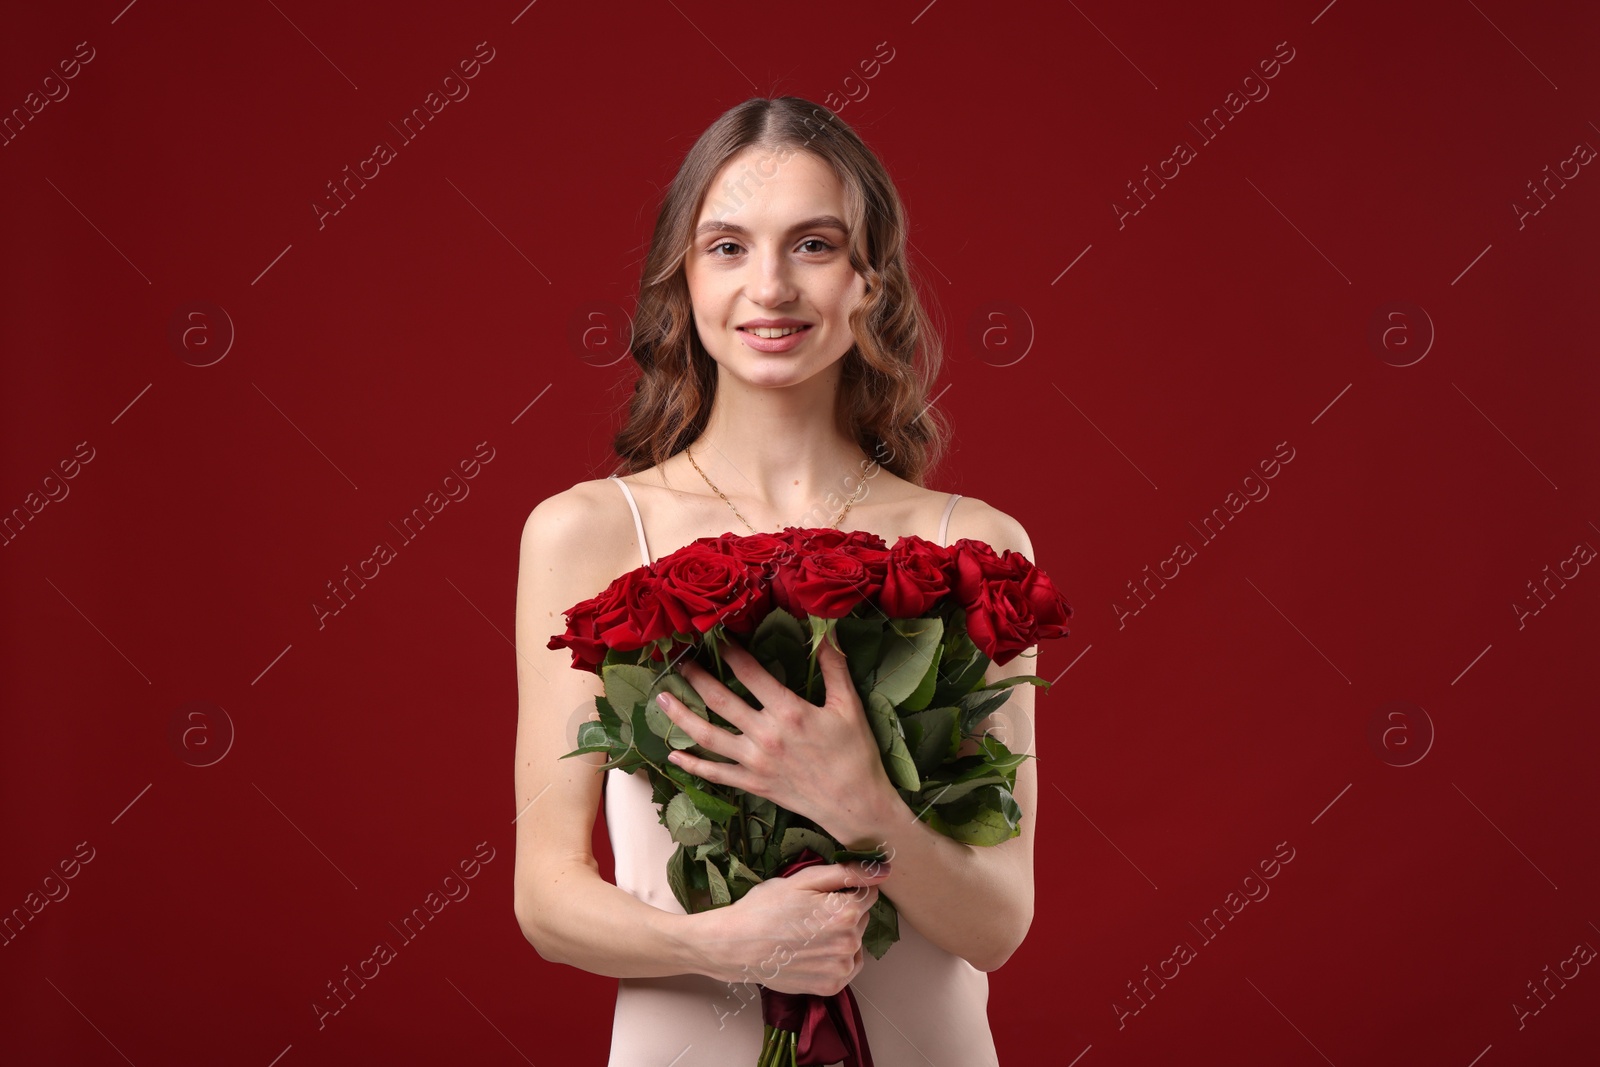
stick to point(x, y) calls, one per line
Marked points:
point(772, 331)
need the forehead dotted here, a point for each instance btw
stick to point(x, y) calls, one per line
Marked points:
point(767, 186)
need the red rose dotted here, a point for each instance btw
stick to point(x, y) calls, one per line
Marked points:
point(1050, 609)
point(763, 553)
point(975, 563)
point(588, 651)
point(634, 613)
point(915, 579)
point(700, 585)
point(829, 584)
point(1000, 621)
point(815, 539)
point(1010, 603)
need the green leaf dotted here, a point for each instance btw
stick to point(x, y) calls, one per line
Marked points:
point(1000, 758)
point(771, 856)
point(932, 737)
point(663, 727)
point(676, 880)
point(628, 761)
point(959, 777)
point(884, 722)
point(595, 733)
point(1015, 679)
point(660, 723)
point(963, 666)
point(883, 927)
point(760, 814)
point(987, 817)
point(902, 769)
point(890, 733)
point(862, 640)
point(717, 846)
point(739, 871)
point(679, 686)
point(908, 656)
point(625, 729)
point(719, 886)
point(950, 792)
point(697, 790)
point(687, 824)
point(586, 750)
point(649, 744)
point(662, 789)
point(924, 691)
point(593, 737)
point(778, 624)
point(760, 807)
point(627, 686)
point(779, 645)
point(977, 706)
point(796, 838)
point(608, 716)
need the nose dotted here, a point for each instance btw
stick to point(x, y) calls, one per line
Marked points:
point(771, 284)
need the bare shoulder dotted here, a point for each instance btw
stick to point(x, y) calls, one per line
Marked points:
point(569, 507)
point(979, 520)
point(583, 531)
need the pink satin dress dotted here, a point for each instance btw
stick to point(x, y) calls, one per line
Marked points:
point(920, 1004)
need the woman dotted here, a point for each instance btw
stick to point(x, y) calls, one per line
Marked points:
point(785, 368)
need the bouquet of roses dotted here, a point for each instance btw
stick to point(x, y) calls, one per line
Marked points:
point(919, 624)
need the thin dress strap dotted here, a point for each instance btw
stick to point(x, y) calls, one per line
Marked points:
point(944, 522)
point(638, 523)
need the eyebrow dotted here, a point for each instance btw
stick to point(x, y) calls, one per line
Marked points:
point(819, 222)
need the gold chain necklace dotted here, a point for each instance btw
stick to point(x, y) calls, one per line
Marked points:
point(847, 504)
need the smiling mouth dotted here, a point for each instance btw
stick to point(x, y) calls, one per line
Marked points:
point(771, 332)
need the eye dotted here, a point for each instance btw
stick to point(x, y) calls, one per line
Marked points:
point(712, 251)
point(826, 247)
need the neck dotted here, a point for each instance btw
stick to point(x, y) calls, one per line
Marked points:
point(779, 452)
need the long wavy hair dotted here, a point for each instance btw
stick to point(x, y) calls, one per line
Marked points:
point(896, 354)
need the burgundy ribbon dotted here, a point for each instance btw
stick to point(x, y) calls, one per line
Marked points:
point(830, 1028)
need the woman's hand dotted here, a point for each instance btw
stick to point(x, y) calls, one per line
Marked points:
point(822, 762)
point(800, 934)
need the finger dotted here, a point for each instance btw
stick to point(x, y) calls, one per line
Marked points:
point(685, 719)
point(713, 771)
point(749, 670)
point(826, 877)
point(835, 668)
point(718, 697)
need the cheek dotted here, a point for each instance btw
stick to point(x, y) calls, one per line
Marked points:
point(845, 293)
point(702, 295)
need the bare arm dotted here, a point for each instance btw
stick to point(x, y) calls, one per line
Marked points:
point(975, 901)
point(566, 910)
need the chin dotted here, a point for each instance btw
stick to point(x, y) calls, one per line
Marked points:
point(773, 369)
point(767, 372)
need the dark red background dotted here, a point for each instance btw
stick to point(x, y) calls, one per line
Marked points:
point(369, 356)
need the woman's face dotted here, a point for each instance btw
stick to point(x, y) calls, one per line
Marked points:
point(770, 244)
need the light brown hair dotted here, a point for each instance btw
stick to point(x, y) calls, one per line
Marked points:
point(888, 371)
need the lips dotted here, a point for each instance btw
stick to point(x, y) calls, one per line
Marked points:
point(772, 324)
point(793, 329)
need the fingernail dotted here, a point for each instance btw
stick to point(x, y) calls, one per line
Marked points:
point(663, 700)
